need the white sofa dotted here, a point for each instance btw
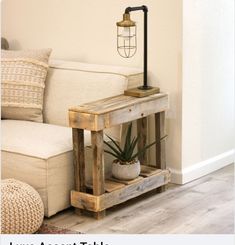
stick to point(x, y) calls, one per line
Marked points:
point(40, 154)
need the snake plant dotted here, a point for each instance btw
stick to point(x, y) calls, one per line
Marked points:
point(126, 154)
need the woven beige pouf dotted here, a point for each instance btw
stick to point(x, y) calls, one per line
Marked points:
point(22, 209)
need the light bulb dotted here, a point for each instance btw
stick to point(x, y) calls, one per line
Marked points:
point(126, 33)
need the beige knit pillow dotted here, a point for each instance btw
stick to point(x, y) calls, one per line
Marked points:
point(23, 82)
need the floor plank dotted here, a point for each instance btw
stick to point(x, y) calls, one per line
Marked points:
point(203, 206)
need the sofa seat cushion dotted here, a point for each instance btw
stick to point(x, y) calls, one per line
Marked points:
point(34, 139)
point(41, 155)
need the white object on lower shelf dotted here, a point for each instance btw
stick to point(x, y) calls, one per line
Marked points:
point(126, 171)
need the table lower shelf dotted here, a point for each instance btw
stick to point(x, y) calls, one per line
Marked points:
point(116, 192)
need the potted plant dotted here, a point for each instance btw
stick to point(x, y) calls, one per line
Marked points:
point(126, 165)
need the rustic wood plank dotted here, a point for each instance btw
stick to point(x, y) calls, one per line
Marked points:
point(147, 171)
point(142, 132)
point(140, 92)
point(134, 190)
point(160, 131)
point(82, 120)
point(127, 182)
point(79, 161)
point(98, 166)
point(107, 200)
point(109, 185)
point(113, 103)
point(85, 201)
point(93, 120)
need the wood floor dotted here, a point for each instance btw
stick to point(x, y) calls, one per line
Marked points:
point(204, 206)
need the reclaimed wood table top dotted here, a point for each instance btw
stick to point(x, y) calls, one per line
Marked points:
point(114, 103)
point(111, 111)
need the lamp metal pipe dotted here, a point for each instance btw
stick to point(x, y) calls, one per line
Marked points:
point(145, 10)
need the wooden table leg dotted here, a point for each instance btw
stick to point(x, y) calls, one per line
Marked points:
point(160, 131)
point(98, 167)
point(142, 132)
point(79, 161)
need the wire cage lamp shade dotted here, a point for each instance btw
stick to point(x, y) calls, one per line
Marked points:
point(126, 37)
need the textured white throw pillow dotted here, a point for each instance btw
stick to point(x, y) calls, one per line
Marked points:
point(23, 81)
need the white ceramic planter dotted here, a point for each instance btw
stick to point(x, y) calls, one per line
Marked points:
point(126, 172)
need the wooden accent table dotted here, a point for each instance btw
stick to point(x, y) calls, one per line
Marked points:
point(105, 113)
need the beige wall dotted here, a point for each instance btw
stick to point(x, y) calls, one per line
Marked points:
point(207, 86)
point(85, 30)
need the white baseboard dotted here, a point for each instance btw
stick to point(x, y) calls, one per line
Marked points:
point(202, 168)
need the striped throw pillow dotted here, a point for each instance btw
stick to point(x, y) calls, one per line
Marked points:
point(23, 78)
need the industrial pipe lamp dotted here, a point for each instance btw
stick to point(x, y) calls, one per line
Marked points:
point(127, 46)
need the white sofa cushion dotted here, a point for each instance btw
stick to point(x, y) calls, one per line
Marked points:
point(41, 155)
point(35, 139)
